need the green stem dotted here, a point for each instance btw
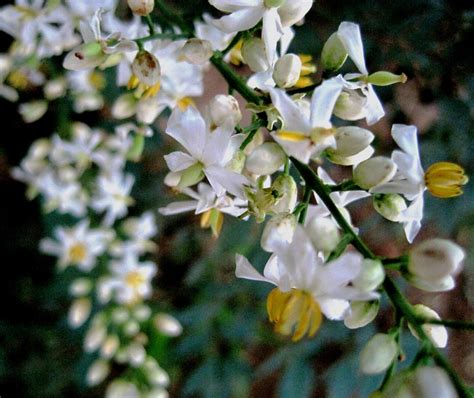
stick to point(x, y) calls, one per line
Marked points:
point(341, 247)
point(149, 22)
point(234, 80)
point(348, 185)
point(304, 209)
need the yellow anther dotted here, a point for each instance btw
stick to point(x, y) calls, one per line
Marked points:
point(184, 103)
point(308, 67)
point(97, 80)
point(77, 253)
point(236, 54)
point(133, 82)
point(294, 313)
point(213, 219)
point(17, 79)
point(152, 91)
point(293, 136)
point(445, 179)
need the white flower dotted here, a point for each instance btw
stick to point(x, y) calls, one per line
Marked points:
point(130, 280)
point(349, 35)
point(312, 286)
point(78, 245)
point(209, 152)
point(274, 14)
point(96, 49)
point(409, 179)
point(301, 136)
point(141, 230)
point(113, 195)
point(206, 30)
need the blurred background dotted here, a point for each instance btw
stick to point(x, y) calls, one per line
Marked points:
point(228, 348)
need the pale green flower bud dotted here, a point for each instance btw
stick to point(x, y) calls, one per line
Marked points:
point(287, 70)
point(350, 105)
point(95, 335)
point(362, 313)
point(142, 312)
point(79, 312)
point(135, 152)
point(386, 78)
point(80, 287)
point(109, 347)
point(56, 88)
point(136, 354)
point(124, 106)
point(436, 333)
point(352, 146)
point(334, 53)
point(287, 193)
point(265, 159)
point(120, 315)
point(33, 111)
point(131, 328)
point(374, 171)
point(155, 373)
point(197, 51)
point(435, 259)
point(279, 229)
point(146, 68)
point(370, 276)
point(378, 354)
point(120, 389)
point(389, 206)
point(253, 53)
point(324, 233)
point(167, 324)
point(141, 7)
point(97, 372)
point(191, 176)
point(223, 108)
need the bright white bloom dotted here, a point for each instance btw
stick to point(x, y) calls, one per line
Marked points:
point(130, 280)
point(409, 180)
point(78, 245)
point(206, 30)
point(274, 14)
point(209, 152)
point(96, 49)
point(312, 286)
point(301, 136)
point(349, 35)
point(113, 195)
point(39, 27)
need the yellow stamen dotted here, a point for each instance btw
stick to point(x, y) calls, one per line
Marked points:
point(293, 136)
point(205, 219)
point(134, 279)
point(308, 67)
point(445, 179)
point(97, 80)
point(77, 253)
point(17, 79)
point(294, 312)
point(152, 91)
point(133, 82)
point(213, 219)
point(184, 103)
point(236, 54)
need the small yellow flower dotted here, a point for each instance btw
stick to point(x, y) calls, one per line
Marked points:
point(445, 179)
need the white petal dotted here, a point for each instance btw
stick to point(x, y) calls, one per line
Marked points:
point(233, 5)
point(178, 207)
point(349, 34)
point(323, 100)
point(221, 178)
point(373, 109)
point(406, 138)
point(334, 309)
point(217, 143)
point(293, 117)
point(240, 20)
point(178, 161)
point(243, 269)
point(271, 32)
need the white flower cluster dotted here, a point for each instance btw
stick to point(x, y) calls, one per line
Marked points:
point(221, 167)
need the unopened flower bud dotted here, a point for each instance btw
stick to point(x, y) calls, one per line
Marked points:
point(155, 373)
point(287, 193)
point(97, 372)
point(80, 287)
point(378, 354)
point(389, 206)
point(109, 347)
point(433, 382)
point(131, 328)
point(124, 106)
point(134, 154)
point(79, 312)
point(287, 70)
point(265, 159)
point(146, 68)
point(136, 354)
point(370, 276)
point(253, 53)
point(33, 111)
point(147, 110)
point(95, 336)
point(141, 7)
point(386, 78)
point(436, 333)
point(223, 108)
point(142, 312)
point(278, 229)
point(350, 105)
point(334, 53)
point(120, 389)
point(197, 51)
point(324, 233)
point(167, 324)
point(435, 259)
point(361, 314)
point(374, 171)
point(56, 88)
point(352, 146)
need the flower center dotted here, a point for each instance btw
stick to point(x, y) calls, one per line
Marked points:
point(308, 67)
point(445, 179)
point(294, 312)
point(134, 280)
point(184, 103)
point(77, 253)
